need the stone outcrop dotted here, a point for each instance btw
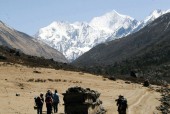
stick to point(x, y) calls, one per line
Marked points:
point(146, 83)
point(78, 100)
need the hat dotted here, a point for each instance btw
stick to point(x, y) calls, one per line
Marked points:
point(120, 96)
point(41, 94)
point(48, 91)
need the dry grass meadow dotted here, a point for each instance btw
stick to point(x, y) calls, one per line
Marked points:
point(29, 82)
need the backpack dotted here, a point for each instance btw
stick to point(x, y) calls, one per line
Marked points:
point(39, 101)
point(48, 99)
point(123, 104)
point(35, 101)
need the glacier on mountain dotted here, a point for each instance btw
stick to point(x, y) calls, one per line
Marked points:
point(74, 39)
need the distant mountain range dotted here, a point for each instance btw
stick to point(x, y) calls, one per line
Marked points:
point(14, 39)
point(74, 39)
point(152, 43)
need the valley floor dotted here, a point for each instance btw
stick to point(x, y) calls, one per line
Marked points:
point(21, 79)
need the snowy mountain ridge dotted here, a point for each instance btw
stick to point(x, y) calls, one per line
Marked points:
point(111, 21)
point(74, 39)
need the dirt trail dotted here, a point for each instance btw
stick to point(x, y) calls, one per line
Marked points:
point(20, 79)
point(132, 107)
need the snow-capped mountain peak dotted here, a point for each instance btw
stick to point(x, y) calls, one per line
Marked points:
point(111, 21)
point(74, 39)
point(114, 12)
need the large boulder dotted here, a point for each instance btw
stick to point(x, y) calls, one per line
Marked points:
point(78, 100)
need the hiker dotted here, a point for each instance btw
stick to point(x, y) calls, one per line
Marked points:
point(49, 93)
point(122, 104)
point(55, 101)
point(49, 101)
point(39, 103)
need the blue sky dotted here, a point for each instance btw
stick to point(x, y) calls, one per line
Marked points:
point(30, 15)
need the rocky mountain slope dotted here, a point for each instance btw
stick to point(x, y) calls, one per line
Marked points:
point(74, 39)
point(27, 44)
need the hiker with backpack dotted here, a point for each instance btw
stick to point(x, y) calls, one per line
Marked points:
point(49, 101)
point(122, 104)
point(39, 103)
point(55, 101)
